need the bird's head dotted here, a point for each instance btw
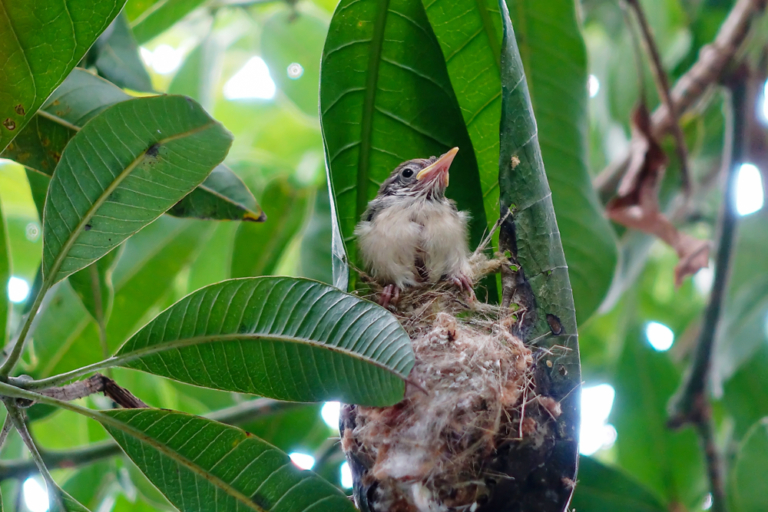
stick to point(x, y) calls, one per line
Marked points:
point(420, 177)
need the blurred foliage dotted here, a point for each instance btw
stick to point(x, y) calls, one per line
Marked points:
point(278, 153)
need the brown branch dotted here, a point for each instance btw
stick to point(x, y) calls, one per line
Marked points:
point(707, 71)
point(97, 383)
point(662, 85)
point(690, 404)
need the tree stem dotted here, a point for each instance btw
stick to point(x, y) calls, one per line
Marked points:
point(690, 404)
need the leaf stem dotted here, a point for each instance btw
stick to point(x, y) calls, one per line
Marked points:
point(13, 357)
point(17, 417)
point(662, 85)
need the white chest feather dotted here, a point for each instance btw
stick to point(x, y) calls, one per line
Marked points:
point(417, 230)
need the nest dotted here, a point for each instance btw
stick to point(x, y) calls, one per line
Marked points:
point(466, 397)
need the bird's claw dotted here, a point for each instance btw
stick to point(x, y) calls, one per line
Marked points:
point(465, 284)
point(390, 294)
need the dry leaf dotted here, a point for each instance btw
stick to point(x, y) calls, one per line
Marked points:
point(636, 204)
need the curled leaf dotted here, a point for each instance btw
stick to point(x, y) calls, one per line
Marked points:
point(636, 204)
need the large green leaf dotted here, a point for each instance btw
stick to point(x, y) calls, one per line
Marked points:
point(41, 41)
point(316, 258)
point(80, 98)
point(746, 486)
point(291, 38)
point(280, 337)
point(120, 172)
point(222, 196)
point(555, 61)
point(605, 489)
point(161, 15)
point(531, 236)
point(746, 393)
point(5, 276)
point(258, 247)
point(216, 467)
point(117, 57)
point(386, 97)
point(644, 381)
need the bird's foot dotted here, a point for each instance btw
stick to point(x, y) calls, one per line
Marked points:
point(390, 294)
point(465, 284)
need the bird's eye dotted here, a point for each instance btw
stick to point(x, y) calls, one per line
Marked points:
point(407, 172)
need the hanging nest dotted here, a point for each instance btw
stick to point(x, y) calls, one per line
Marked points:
point(470, 400)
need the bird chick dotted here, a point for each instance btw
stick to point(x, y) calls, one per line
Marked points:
point(412, 233)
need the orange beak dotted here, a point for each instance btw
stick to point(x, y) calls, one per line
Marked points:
point(439, 169)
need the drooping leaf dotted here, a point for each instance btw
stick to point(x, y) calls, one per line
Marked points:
point(386, 97)
point(93, 285)
point(5, 276)
point(222, 196)
point(117, 57)
point(292, 43)
point(555, 61)
point(745, 486)
point(605, 489)
point(531, 236)
point(42, 42)
point(159, 17)
point(81, 97)
point(70, 504)
point(280, 337)
point(120, 172)
point(258, 247)
point(217, 467)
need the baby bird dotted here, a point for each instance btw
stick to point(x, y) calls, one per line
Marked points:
point(412, 233)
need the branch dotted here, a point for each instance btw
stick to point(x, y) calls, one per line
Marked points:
point(97, 383)
point(235, 415)
point(690, 405)
point(662, 85)
point(691, 86)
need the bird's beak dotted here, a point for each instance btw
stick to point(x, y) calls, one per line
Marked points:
point(439, 169)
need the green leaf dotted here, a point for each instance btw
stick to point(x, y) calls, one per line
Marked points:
point(644, 381)
point(117, 57)
point(5, 276)
point(70, 503)
point(469, 33)
point(42, 42)
point(81, 97)
point(222, 196)
point(93, 285)
point(316, 258)
point(555, 61)
point(217, 467)
point(533, 239)
point(258, 247)
point(386, 97)
point(120, 172)
point(605, 489)
point(280, 337)
point(156, 19)
point(199, 74)
point(746, 393)
point(291, 37)
point(746, 489)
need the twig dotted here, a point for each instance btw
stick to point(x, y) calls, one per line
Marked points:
point(96, 383)
point(17, 417)
point(692, 85)
point(662, 85)
point(690, 405)
point(7, 426)
point(235, 415)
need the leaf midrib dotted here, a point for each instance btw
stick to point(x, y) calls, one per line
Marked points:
point(199, 471)
point(124, 358)
point(366, 132)
point(50, 278)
